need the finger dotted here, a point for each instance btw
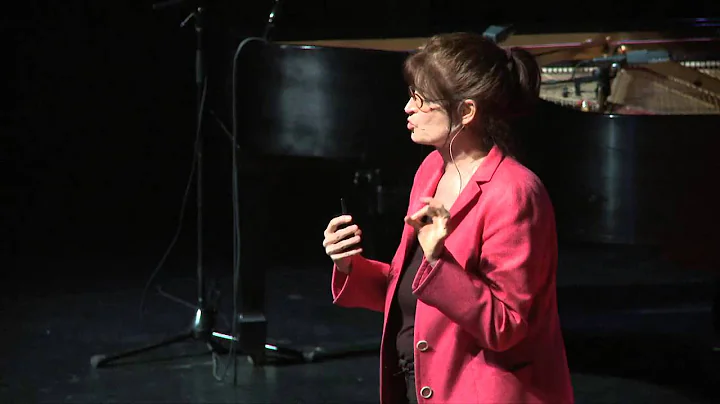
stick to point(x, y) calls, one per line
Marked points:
point(416, 224)
point(336, 236)
point(336, 257)
point(439, 211)
point(344, 233)
point(441, 222)
point(336, 221)
point(443, 219)
point(420, 213)
point(342, 245)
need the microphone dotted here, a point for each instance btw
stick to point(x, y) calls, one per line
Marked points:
point(271, 19)
point(637, 57)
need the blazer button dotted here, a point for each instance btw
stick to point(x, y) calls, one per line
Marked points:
point(426, 392)
point(422, 345)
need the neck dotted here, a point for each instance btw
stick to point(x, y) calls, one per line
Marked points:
point(467, 152)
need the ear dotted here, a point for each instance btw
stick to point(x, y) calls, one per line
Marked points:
point(468, 110)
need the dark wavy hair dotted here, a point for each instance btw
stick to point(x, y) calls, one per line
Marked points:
point(454, 67)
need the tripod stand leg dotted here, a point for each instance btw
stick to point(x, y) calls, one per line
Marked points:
point(716, 316)
point(104, 359)
point(366, 347)
point(259, 353)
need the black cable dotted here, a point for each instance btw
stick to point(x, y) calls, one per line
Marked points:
point(550, 52)
point(236, 217)
point(183, 205)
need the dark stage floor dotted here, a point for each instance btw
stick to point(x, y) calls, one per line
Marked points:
point(649, 343)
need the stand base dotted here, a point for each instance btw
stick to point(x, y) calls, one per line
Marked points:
point(252, 327)
point(101, 360)
point(253, 344)
point(271, 354)
point(358, 348)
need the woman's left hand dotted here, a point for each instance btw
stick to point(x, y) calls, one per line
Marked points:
point(431, 233)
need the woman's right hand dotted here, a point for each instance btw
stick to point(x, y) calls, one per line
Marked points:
point(342, 244)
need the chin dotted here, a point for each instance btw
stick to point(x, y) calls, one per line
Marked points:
point(419, 138)
point(423, 139)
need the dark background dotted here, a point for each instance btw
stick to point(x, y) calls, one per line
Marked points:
point(100, 114)
point(98, 123)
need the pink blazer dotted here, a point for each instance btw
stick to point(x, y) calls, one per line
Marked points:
point(486, 326)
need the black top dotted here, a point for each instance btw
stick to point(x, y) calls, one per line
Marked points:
point(407, 302)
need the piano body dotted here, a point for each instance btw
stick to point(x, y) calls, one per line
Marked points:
point(627, 151)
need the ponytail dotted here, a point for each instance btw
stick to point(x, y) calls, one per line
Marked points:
point(525, 73)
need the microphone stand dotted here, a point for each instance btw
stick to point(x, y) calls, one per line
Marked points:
point(251, 323)
point(203, 322)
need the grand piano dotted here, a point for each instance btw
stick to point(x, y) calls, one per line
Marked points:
point(626, 145)
point(626, 149)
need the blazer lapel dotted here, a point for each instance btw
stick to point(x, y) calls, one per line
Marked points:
point(426, 185)
point(456, 243)
point(472, 190)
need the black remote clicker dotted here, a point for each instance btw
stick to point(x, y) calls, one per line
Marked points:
point(344, 211)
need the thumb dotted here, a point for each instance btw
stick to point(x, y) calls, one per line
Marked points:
point(416, 224)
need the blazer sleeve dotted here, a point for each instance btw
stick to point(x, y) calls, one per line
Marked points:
point(518, 246)
point(364, 287)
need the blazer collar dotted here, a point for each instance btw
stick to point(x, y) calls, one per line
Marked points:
point(429, 179)
point(489, 165)
point(484, 173)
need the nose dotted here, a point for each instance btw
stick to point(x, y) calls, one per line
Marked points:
point(410, 107)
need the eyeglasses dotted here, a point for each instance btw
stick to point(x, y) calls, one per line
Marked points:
point(419, 100)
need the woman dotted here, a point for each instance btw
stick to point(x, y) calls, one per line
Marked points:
point(470, 296)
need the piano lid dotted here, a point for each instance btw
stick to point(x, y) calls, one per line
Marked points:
point(578, 72)
point(322, 19)
point(343, 99)
point(331, 103)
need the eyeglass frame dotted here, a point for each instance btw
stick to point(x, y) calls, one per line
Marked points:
point(419, 100)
